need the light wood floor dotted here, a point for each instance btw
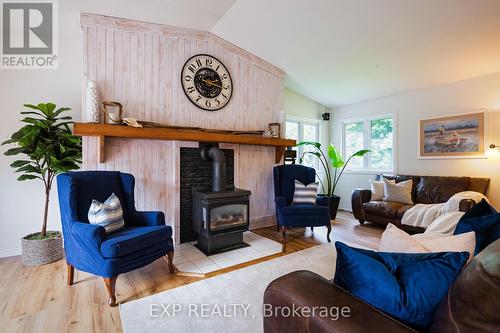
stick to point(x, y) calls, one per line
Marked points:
point(38, 299)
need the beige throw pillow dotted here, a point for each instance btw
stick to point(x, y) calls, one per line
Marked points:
point(377, 189)
point(396, 240)
point(398, 192)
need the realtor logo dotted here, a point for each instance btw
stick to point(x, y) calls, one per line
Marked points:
point(29, 40)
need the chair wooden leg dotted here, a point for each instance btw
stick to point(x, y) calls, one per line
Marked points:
point(110, 285)
point(329, 229)
point(283, 232)
point(71, 274)
point(170, 261)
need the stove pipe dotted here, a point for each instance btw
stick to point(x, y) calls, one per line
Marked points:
point(216, 156)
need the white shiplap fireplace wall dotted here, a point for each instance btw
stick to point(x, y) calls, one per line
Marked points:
point(138, 64)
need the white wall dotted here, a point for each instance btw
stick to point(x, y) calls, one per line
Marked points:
point(21, 203)
point(299, 107)
point(455, 98)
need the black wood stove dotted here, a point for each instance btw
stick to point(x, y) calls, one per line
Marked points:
point(220, 215)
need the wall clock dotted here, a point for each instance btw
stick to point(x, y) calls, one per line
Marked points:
point(206, 82)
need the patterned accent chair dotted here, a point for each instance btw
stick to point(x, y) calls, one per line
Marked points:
point(88, 248)
point(289, 215)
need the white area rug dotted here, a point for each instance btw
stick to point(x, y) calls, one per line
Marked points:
point(244, 286)
point(189, 259)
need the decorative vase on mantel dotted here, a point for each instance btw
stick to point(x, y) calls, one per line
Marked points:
point(92, 101)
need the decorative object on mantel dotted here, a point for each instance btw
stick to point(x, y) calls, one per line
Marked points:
point(131, 122)
point(461, 136)
point(335, 160)
point(254, 138)
point(206, 82)
point(267, 134)
point(275, 129)
point(92, 102)
point(113, 112)
point(49, 148)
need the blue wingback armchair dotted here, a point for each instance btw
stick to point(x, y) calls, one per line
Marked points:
point(88, 248)
point(289, 215)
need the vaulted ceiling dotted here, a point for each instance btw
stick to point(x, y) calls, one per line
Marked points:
point(340, 52)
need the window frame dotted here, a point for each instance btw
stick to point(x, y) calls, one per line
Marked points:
point(301, 121)
point(367, 142)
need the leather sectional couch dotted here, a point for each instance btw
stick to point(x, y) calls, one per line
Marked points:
point(425, 189)
point(471, 304)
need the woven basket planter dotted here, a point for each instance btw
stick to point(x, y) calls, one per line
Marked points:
point(41, 251)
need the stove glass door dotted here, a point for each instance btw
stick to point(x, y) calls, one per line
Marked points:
point(228, 216)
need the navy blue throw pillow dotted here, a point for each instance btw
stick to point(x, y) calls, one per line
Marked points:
point(407, 286)
point(484, 221)
point(480, 209)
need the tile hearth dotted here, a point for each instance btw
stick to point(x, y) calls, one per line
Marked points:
point(189, 259)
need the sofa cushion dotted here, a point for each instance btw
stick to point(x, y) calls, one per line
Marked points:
point(407, 286)
point(396, 240)
point(484, 221)
point(402, 178)
point(401, 211)
point(109, 214)
point(400, 192)
point(134, 239)
point(305, 194)
point(305, 210)
point(435, 189)
point(387, 209)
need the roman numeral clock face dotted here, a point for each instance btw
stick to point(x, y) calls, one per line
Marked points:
point(206, 82)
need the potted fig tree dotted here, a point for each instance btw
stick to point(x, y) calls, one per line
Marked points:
point(333, 161)
point(48, 148)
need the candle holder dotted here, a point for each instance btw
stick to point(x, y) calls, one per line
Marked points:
point(112, 112)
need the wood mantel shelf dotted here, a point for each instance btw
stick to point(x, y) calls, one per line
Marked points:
point(117, 131)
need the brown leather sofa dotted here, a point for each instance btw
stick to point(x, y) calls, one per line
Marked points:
point(426, 190)
point(471, 304)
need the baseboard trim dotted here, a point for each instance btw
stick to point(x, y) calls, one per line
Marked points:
point(262, 222)
point(4, 253)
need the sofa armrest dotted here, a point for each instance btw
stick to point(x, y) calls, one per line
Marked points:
point(90, 235)
point(307, 290)
point(358, 198)
point(280, 202)
point(323, 201)
point(465, 205)
point(147, 218)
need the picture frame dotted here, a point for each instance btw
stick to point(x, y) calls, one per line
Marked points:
point(455, 136)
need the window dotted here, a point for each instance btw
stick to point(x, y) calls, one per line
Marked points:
point(303, 130)
point(376, 134)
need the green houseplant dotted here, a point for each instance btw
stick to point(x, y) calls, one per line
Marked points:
point(48, 148)
point(335, 162)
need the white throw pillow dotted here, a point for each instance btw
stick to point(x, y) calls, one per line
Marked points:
point(305, 194)
point(398, 192)
point(396, 240)
point(377, 189)
point(109, 214)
